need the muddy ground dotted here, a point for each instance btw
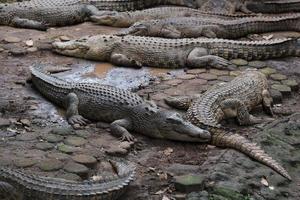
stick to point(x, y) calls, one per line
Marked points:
point(35, 136)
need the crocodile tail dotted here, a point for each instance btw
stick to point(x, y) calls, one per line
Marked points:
point(240, 143)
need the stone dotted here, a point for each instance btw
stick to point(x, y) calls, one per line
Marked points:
point(64, 38)
point(25, 122)
point(291, 83)
point(44, 146)
point(195, 71)
point(257, 64)
point(18, 51)
point(285, 90)
point(12, 39)
point(75, 141)
point(158, 96)
point(235, 73)
point(66, 148)
point(70, 177)
point(61, 131)
point(181, 169)
point(186, 76)
point(52, 138)
point(32, 49)
point(76, 168)
point(219, 72)
point(278, 77)
point(50, 165)
point(82, 133)
point(173, 82)
point(102, 125)
point(29, 43)
point(276, 96)
point(116, 150)
point(85, 159)
point(208, 76)
point(26, 136)
point(25, 162)
point(188, 183)
point(268, 71)
point(225, 78)
point(4, 122)
point(58, 156)
point(239, 62)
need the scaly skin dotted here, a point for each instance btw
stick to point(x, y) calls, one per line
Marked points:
point(233, 99)
point(17, 185)
point(126, 19)
point(193, 27)
point(139, 51)
point(125, 111)
point(40, 17)
point(273, 6)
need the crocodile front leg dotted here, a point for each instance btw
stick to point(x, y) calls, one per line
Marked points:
point(26, 23)
point(9, 192)
point(122, 60)
point(236, 108)
point(72, 114)
point(119, 128)
point(267, 102)
point(199, 57)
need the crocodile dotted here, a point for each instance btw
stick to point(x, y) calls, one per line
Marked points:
point(273, 6)
point(16, 184)
point(126, 19)
point(137, 51)
point(227, 100)
point(40, 17)
point(127, 111)
point(192, 27)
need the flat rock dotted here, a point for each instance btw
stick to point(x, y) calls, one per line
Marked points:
point(52, 138)
point(181, 169)
point(173, 82)
point(12, 39)
point(276, 96)
point(70, 177)
point(195, 71)
point(76, 168)
point(158, 96)
point(18, 51)
point(102, 125)
point(85, 159)
point(291, 83)
point(67, 148)
point(44, 146)
point(239, 62)
point(58, 156)
point(82, 133)
point(284, 89)
point(4, 122)
point(278, 77)
point(257, 64)
point(75, 141)
point(219, 72)
point(208, 76)
point(62, 131)
point(186, 76)
point(32, 49)
point(27, 136)
point(268, 71)
point(235, 73)
point(25, 122)
point(188, 183)
point(50, 165)
point(225, 78)
point(25, 162)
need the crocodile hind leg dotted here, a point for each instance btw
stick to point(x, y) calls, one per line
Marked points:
point(122, 60)
point(182, 102)
point(119, 129)
point(199, 57)
point(26, 23)
point(236, 108)
point(267, 102)
point(9, 192)
point(72, 110)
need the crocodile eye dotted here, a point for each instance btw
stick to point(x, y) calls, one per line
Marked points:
point(175, 119)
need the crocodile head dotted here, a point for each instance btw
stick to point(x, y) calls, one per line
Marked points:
point(170, 125)
point(97, 47)
point(143, 28)
point(112, 18)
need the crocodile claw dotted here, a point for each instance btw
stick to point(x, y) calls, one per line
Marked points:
point(78, 119)
point(127, 137)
